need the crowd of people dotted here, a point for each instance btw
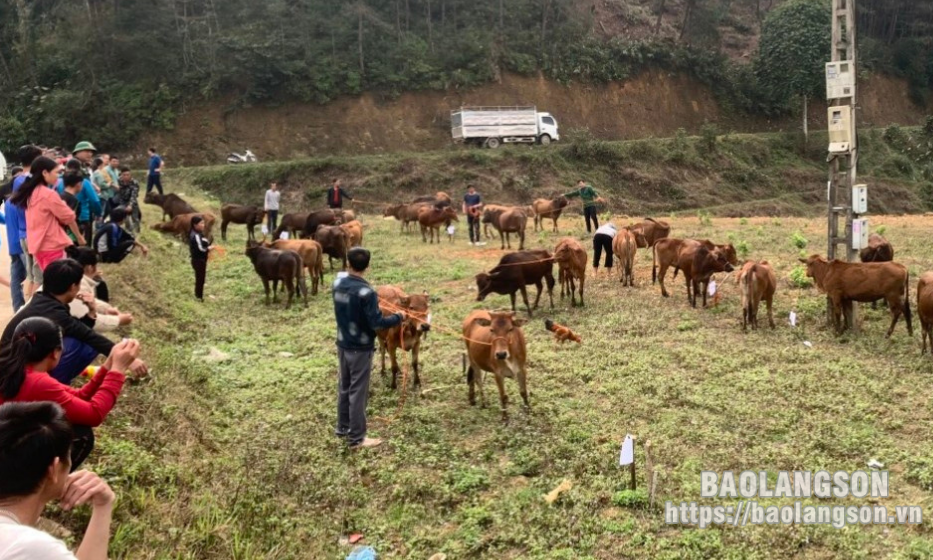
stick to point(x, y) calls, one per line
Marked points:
point(63, 217)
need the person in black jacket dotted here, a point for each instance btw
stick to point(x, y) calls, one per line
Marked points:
point(356, 308)
point(80, 344)
point(200, 247)
point(336, 194)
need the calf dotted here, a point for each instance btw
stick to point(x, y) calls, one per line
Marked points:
point(397, 211)
point(431, 218)
point(544, 208)
point(678, 253)
point(845, 282)
point(706, 262)
point(624, 246)
point(293, 223)
point(239, 214)
point(410, 213)
point(514, 272)
point(651, 231)
point(571, 259)
point(312, 256)
point(408, 334)
point(757, 282)
point(491, 213)
point(334, 242)
point(172, 205)
point(495, 343)
point(354, 231)
point(925, 309)
point(274, 265)
point(317, 219)
point(513, 220)
point(181, 225)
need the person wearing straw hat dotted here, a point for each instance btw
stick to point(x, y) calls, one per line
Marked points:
point(356, 308)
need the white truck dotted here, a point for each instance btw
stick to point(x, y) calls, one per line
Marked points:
point(493, 126)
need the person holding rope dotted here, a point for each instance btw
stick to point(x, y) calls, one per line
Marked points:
point(473, 208)
point(356, 309)
point(590, 197)
point(335, 196)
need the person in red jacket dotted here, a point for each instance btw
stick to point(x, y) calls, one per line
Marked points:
point(24, 377)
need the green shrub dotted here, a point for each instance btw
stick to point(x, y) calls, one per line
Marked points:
point(742, 249)
point(630, 498)
point(709, 133)
point(799, 278)
point(743, 221)
point(881, 229)
point(798, 240)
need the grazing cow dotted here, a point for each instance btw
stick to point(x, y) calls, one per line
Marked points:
point(757, 282)
point(239, 214)
point(312, 255)
point(407, 335)
point(543, 208)
point(495, 343)
point(878, 250)
point(354, 231)
point(667, 253)
point(410, 214)
point(514, 272)
point(845, 282)
point(172, 205)
point(432, 218)
point(274, 265)
point(316, 219)
point(334, 242)
point(513, 220)
point(705, 263)
point(293, 223)
point(181, 225)
point(571, 259)
point(925, 309)
point(397, 211)
point(651, 231)
point(491, 213)
point(344, 216)
point(624, 246)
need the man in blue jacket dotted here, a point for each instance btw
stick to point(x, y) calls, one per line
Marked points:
point(21, 263)
point(356, 308)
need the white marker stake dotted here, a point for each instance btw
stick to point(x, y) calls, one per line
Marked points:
point(265, 230)
point(712, 288)
point(627, 456)
point(284, 235)
point(793, 319)
point(450, 230)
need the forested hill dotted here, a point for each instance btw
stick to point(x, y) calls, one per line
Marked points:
point(112, 69)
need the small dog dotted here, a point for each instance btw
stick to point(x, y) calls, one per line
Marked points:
point(562, 333)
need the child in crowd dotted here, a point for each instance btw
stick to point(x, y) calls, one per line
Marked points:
point(24, 377)
point(46, 213)
point(73, 184)
point(200, 247)
point(94, 287)
point(35, 444)
point(113, 242)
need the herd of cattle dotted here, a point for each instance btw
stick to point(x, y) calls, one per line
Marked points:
point(495, 341)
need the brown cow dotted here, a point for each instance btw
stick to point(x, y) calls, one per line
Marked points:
point(440, 199)
point(507, 220)
point(878, 250)
point(239, 214)
point(432, 218)
point(625, 245)
point(344, 216)
point(925, 309)
point(273, 265)
point(667, 253)
point(651, 231)
point(407, 335)
point(172, 205)
point(293, 223)
point(495, 343)
point(705, 263)
point(571, 259)
point(397, 211)
point(312, 255)
point(846, 282)
point(181, 225)
point(410, 213)
point(758, 282)
point(543, 208)
point(354, 231)
point(334, 242)
point(514, 272)
point(491, 212)
point(316, 219)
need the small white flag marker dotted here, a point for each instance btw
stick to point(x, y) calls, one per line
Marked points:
point(712, 288)
point(450, 230)
point(793, 318)
point(284, 235)
point(627, 455)
point(808, 344)
point(265, 229)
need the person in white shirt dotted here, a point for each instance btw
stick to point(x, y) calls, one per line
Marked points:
point(602, 241)
point(272, 206)
point(35, 460)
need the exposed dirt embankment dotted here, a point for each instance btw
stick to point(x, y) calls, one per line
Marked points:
point(653, 104)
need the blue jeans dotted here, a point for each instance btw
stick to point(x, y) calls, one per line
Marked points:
point(76, 356)
point(17, 277)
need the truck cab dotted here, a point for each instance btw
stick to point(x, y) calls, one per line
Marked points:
point(547, 129)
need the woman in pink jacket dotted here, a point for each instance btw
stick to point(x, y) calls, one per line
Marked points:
point(46, 214)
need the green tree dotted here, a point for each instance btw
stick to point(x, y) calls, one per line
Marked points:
point(795, 46)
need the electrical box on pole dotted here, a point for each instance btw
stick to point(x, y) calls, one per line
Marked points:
point(859, 234)
point(840, 129)
point(860, 199)
point(840, 79)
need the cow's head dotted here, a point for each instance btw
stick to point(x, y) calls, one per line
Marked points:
point(450, 214)
point(640, 240)
point(502, 327)
point(152, 197)
point(560, 202)
point(729, 251)
point(483, 285)
point(816, 268)
point(392, 210)
point(252, 249)
point(720, 261)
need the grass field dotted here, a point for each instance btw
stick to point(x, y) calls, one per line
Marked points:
point(235, 458)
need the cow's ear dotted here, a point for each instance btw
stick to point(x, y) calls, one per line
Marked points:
point(483, 322)
point(519, 322)
point(804, 261)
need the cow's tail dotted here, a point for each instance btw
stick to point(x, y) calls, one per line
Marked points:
point(907, 316)
point(300, 278)
point(467, 371)
point(654, 264)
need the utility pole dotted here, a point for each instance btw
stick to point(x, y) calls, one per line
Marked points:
point(843, 148)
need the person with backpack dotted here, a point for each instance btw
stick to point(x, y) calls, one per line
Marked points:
point(114, 243)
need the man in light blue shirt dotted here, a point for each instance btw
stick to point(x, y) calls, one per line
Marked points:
point(21, 265)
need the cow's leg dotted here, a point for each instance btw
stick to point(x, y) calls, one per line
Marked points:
point(477, 379)
point(555, 225)
point(393, 355)
point(223, 230)
point(549, 280)
point(289, 286)
point(503, 398)
point(415, 366)
point(770, 314)
point(521, 240)
point(502, 239)
point(538, 295)
point(582, 278)
point(471, 384)
point(522, 379)
point(560, 278)
point(745, 317)
point(896, 308)
point(424, 236)
point(265, 285)
point(525, 299)
point(382, 355)
point(573, 289)
point(661, 273)
point(512, 297)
